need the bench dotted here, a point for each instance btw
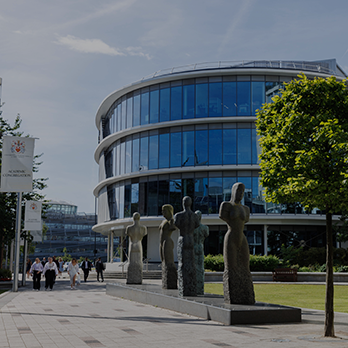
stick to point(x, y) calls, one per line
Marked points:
point(285, 275)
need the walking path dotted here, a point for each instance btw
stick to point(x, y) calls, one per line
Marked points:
point(87, 317)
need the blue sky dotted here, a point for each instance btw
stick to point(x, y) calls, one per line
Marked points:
point(60, 59)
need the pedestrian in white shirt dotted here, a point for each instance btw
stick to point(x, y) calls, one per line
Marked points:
point(73, 271)
point(50, 271)
point(36, 270)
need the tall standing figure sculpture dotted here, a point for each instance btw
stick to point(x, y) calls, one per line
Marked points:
point(186, 221)
point(238, 285)
point(169, 272)
point(200, 233)
point(135, 232)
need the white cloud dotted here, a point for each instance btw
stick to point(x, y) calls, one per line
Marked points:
point(89, 46)
point(99, 46)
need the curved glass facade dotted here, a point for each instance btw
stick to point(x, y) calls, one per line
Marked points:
point(219, 96)
point(196, 145)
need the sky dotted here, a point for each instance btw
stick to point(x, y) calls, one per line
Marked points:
point(60, 59)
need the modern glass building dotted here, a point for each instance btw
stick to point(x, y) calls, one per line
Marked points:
point(191, 131)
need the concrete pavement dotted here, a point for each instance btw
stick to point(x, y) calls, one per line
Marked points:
point(87, 317)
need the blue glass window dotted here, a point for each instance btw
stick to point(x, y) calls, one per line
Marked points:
point(258, 205)
point(244, 146)
point(129, 112)
point(163, 195)
point(254, 147)
point(272, 89)
point(229, 95)
point(188, 140)
point(164, 105)
point(135, 156)
point(118, 159)
point(215, 99)
point(127, 200)
point(117, 200)
point(215, 146)
point(134, 198)
point(124, 113)
point(164, 151)
point(243, 98)
point(201, 148)
point(227, 183)
point(176, 103)
point(121, 204)
point(144, 153)
point(143, 198)
point(202, 100)
point(144, 111)
point(123, 159)
point(175, 194)
point(246, 180)
point(188, 101)
point(154, 106)
point(119, 116)
point(229, 143)
point(175, 150)
point(153, 152)
point(215, 195)
point(257, 95)
point(201, 195)
point(153, 198)
point(136, 107)
point(128, 156)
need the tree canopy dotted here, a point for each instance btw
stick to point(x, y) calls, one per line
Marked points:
point(304, 142)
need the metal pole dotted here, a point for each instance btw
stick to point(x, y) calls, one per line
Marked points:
point(25, 256)
point(18, 236)
point(95, 233)
point(11, 256)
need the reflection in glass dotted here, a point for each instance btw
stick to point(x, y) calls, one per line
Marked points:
point(176, 103)
point(153, 152)
point(255, 147)
point(272, 89)
point(243, 98)
point(175, 150)
point(257, 95)
point(144, 154)
point(118, 158)
point(244, 143)
point(144, 111)
point(121, 204)
point(188, 148)
point(129, 112)
point(229, 146)
point(215, 195)
point(143, 198)
point(135, 156)
point(175, 195)
point(201, 195)
point(201, 148)
point(215, 146)
point(124, 114)
point(188, 188)
point(136, 107)
point(215, 99)
point(164, 151)
point(163, 191)
point(153, 198)
point(154, 105)
point(127, 201)
point(246, 180)
point(227, 184)
point(188, 102)
point(123, 159)
point(128, 156)
point(134, 198)
point(164, 104)
point(202, 100)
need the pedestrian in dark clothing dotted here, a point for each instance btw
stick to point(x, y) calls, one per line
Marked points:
point(36, 270)
point(86, 267)
point(99, 267)
point(43, 262)
point(50, 271)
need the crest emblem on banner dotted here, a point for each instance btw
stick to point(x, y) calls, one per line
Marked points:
point(33, 206)
point(18, 146)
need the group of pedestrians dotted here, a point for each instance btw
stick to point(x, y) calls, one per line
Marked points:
point(52, 268)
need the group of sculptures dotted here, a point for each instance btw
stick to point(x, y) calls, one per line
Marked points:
point(237, 282)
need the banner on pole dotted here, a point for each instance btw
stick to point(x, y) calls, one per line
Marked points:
point(17, 164)
point(32, 218)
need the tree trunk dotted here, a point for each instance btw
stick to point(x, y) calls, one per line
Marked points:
point(1, 250)
point(329, 299)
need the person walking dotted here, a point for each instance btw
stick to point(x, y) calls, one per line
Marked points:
point(29, 264)
point(50, 271)
point(86, 267)
point(43, 262)
point(99, 267)
point(73, 271)
point(36, 270)
point(60, 268)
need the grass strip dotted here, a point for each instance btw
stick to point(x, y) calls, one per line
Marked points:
point(294, 295)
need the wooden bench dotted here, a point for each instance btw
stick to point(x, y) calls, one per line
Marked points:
point(285, 275)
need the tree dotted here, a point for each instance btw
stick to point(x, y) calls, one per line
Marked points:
point(8, 201)
point(304, 157)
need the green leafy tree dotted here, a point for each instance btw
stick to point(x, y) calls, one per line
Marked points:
point(8, 201)
point(304, 158)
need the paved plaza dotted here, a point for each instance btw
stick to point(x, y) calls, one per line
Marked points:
point(87, 317)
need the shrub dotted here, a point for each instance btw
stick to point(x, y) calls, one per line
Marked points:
point(5, 273)
point(342, 269)
point(265, 263)
point(214, 262)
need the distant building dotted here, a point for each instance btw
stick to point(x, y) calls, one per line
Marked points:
point(66, 228)
point(191, 131)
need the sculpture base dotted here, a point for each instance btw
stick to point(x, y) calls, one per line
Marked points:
point(169, 277)
point(209, 307)
point(135, 274)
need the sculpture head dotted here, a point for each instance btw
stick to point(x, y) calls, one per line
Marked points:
point(136, 216)
point(186, 202)
point(237, 192)
point(167, 211)
point(199, 214)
